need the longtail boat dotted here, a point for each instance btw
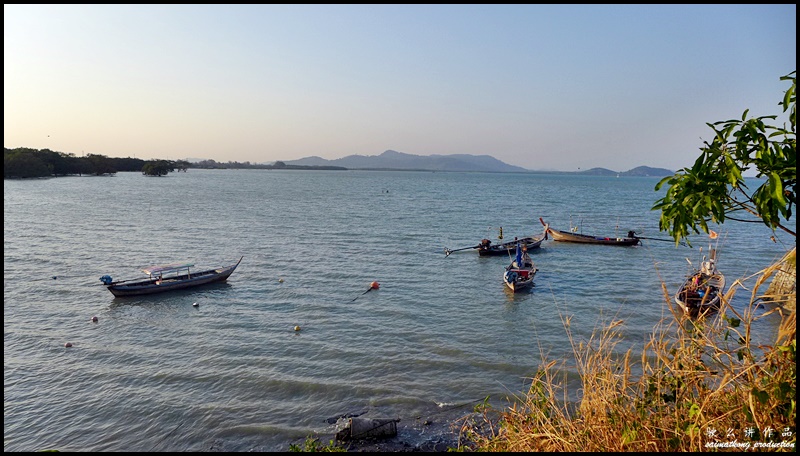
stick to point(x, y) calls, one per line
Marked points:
point(568, 236)
point(167, 277)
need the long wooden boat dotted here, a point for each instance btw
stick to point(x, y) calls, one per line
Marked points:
point(568, 236)
point(486, 248)
point(507, 248)
point(167, 277)
point(702, 290)
point(518, 275)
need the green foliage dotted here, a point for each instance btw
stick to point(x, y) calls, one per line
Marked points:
point(24, 162)
point(158, 168)
point(312, 444)
point(100, 164)
point(713, 189)
point(182, 165)
point(483, 406)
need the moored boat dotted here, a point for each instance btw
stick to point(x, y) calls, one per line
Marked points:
point(519, 275)
point(702, 290)
point(486, 248)
point(167, 277)
point(568, 236)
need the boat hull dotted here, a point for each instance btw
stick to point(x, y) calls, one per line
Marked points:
point(520, 280)
point(565, 236)
point(709, 299)
point(508, 248)
point(153, 286)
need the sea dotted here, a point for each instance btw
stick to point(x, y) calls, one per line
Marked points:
point(298, 339)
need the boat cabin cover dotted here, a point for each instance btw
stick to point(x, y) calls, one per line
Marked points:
point(165, 268)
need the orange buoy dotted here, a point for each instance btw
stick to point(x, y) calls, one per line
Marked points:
point(372, 286)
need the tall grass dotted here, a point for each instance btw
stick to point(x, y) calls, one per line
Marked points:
point(698, 385)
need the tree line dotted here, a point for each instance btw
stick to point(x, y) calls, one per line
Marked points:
point(24, 162)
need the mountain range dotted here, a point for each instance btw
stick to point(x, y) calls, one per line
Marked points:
point(397, 160)
point(393, 160)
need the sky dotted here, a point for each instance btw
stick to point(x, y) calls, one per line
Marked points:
point(544, 87)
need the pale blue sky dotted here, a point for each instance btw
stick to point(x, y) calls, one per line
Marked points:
point(555, 87)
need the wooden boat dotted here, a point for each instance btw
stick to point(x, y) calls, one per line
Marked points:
point(486, 248)
point(167, 277)
point(518, 275)
point(702, 290)
point(568, 236)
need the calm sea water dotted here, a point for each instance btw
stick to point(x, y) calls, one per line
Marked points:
point(439, 335)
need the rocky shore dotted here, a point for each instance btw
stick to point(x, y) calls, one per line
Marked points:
point(438, 431)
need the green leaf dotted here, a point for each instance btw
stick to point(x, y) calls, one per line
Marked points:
point(761, 396)
point(694, 410)
point(777, 188)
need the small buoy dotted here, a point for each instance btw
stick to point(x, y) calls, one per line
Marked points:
point(94, 318)
point(54, 277)
point(374, 285)
point(68, 344)
point(297, 328)
point(195, 304)
point(280, 279)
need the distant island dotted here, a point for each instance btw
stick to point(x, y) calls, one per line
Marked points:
point(393, 160)
point(639, 171)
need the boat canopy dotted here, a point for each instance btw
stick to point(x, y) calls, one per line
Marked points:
point(162, 268)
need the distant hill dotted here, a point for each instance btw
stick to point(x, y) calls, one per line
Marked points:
point(391, 159)
point(640, 171)
point(598, 172)
point(646, 171)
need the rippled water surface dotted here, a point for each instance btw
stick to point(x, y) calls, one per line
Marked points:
point(159, 374)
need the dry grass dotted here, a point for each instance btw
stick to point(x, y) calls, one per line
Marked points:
point(697, 384)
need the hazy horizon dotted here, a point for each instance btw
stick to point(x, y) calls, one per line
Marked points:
point(542, 87)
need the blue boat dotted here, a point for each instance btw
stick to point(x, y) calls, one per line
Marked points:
point(518, 275)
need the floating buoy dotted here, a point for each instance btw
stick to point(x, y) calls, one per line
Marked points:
point(280, 280)
point(372, 286)
point(68, 344)
point(94, 318)
point(297, 328)
point(195, 304)
point(54, 277)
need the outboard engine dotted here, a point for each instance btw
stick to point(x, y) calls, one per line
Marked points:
point(106, 279)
